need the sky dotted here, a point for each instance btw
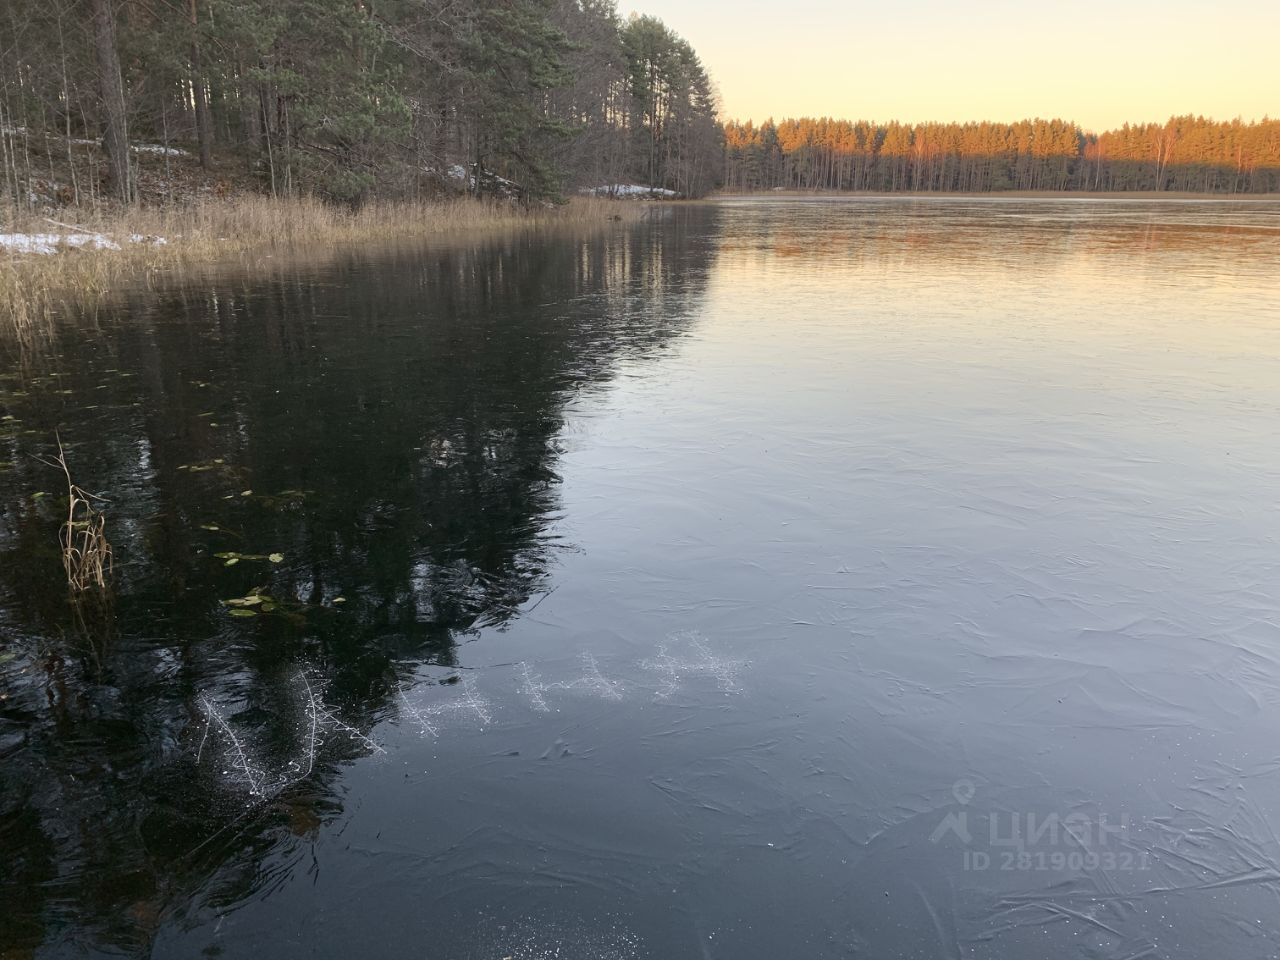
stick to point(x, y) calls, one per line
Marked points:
point(1097, 62)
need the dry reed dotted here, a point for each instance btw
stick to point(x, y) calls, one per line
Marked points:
point(86, 553)
point(35, 286)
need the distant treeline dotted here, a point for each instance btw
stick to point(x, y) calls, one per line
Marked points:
point(1184, 154)
point(353, 98)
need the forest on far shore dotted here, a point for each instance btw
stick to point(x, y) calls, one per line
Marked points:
point(1188, 154)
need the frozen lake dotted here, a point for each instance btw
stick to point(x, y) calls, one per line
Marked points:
point(773, 578)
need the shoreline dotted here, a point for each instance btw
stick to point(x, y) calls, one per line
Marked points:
point(51, 266)
point(1003, 194)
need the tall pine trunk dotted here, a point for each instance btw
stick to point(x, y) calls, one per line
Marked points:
point(115, 138)
point(204, 123)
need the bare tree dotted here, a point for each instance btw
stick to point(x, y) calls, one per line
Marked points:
point(115, 138)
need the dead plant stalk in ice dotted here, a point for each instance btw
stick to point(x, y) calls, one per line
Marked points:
point(86, 553)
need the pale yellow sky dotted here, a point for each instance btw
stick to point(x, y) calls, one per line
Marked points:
point(1097, 62)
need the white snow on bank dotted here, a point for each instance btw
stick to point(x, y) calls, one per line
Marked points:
point(158, 148)
point(628, 190)
point(55, 242)
point(460, 174)
point(52, 242)
point(81, 141)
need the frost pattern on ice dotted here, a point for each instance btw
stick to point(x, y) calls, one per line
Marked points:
point(244, 767)
point(430, 716)
point(432, 708)
point(672, 669)
point(550, 938)
point(531, 686)
point(592, 680)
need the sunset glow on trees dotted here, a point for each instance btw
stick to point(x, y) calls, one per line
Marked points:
point(1184, 154)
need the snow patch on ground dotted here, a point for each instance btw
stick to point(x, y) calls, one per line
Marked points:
point(159, 148)
point(460, 174)
point(55, 242)
point(81, 141)
point(628, 190)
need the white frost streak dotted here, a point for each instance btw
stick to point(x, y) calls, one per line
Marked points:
point(241, 769)
point(246, 770)
point(592, 680)
point(533, 688)
point(671, 669)
point(429, 716)
point(678, 658)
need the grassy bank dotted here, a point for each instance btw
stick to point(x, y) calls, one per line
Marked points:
point(130, 245)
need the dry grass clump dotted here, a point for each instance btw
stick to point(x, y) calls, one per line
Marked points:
point(151, 239)
point(86, 554)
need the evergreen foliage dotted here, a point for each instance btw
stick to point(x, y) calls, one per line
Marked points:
point(350, 99)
